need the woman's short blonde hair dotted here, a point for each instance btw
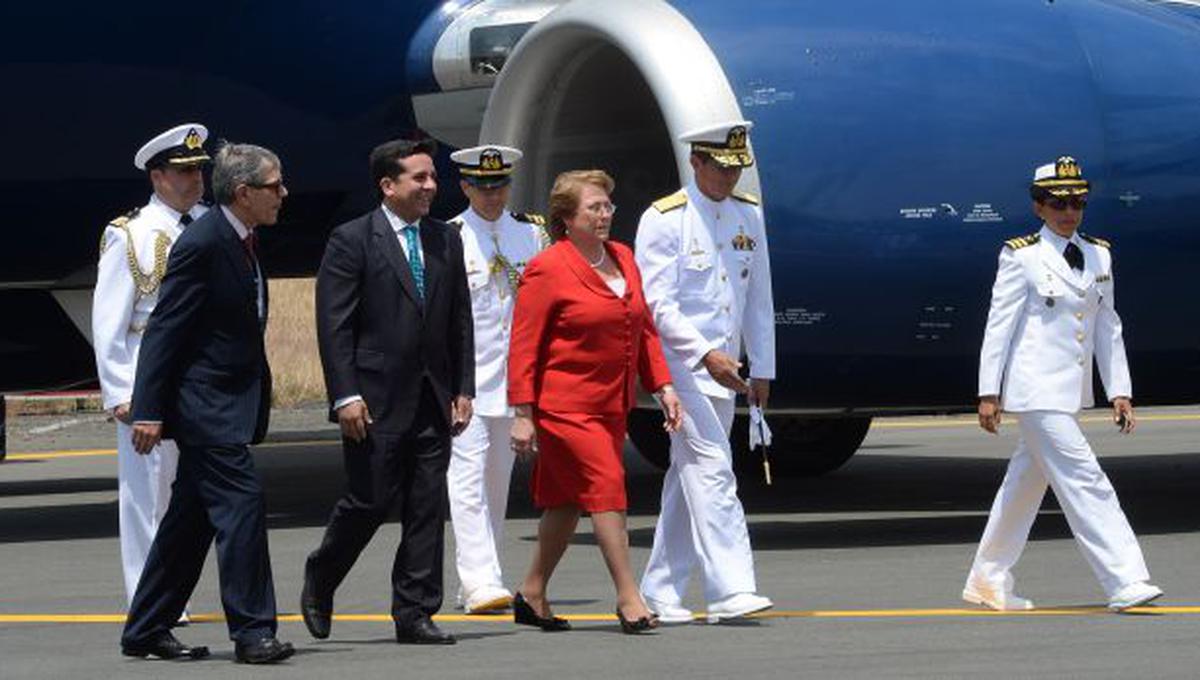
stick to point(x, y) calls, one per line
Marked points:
point(564, 197)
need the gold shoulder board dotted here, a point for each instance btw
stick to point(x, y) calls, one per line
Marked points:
point(1095, 240)
point(669, 203)
point(529, 218)
point(1022, 241)
point(745, 197)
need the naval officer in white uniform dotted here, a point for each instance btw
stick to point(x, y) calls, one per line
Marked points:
point(1052, 311)
point(496, 246)
point(133, 258)
point(707, 278)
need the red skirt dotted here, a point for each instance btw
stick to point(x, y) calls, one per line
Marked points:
point(579, 461)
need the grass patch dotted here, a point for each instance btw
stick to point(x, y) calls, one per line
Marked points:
point(292, 343)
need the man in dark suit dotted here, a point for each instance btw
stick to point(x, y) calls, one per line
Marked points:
point(203, 380)
point(395, 332)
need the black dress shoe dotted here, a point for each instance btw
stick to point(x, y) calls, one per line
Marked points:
point(524, 615)
point(165, 646)
point(317, 614)
point(266, 650)
point(423, 631)
point(642, 625)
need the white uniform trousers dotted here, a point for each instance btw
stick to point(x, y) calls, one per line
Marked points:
point(481, 464)
point(143, 494)
point(701, 522)
point(1052, 450)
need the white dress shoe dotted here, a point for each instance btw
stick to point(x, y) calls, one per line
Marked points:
point(992, 599)
point(1134, 595)
point(669, 613)
point(488, 600)
point(737, 606)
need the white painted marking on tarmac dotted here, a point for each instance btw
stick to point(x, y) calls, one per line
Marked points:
point(54, 427)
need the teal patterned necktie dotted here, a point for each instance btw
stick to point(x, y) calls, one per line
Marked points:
point(414, 258)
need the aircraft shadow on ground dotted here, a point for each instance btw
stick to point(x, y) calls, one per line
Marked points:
point(303, 484)
point(50, 487)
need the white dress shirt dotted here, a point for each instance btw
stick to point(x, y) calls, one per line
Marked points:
point(243, 232)
point(398, 225)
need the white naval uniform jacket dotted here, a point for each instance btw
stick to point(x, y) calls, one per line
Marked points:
point(1045, 324)
point(493, 291)
point(706, 275)
point(124, 299)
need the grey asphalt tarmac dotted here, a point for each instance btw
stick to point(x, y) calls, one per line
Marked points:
point(865, 566)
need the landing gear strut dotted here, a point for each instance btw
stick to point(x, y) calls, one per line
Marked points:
point(3, 428)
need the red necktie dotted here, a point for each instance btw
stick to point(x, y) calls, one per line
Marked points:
point(250, 243)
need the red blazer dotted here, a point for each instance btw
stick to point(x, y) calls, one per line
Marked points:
point(575, 345)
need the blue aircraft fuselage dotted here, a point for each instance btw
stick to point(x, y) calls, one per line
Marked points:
point(894, 141)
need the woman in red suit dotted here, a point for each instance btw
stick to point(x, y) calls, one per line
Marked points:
point(582, 334)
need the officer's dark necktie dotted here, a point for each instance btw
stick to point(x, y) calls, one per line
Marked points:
point(1073, 256)
point(185, 219)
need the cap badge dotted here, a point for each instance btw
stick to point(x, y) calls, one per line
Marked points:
point(1067, 168)
point(490, 159)
point(192, 140)
point(736, 139)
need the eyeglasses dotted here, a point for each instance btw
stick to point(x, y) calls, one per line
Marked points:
point(276, 186)
point(601, 208)
point(1076, 202)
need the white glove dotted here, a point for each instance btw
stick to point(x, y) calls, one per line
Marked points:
point(760, 434)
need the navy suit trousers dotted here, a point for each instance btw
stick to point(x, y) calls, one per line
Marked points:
point(217, 493)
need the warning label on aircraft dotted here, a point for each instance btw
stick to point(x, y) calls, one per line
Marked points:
point(925, 213)
point(798, 316)
point(983, 212)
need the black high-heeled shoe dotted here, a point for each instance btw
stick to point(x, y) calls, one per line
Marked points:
point(525, 615)
point(642, 625)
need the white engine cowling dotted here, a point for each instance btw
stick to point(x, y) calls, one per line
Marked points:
point(609, 84)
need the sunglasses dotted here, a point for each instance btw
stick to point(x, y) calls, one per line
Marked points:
point(276, 186)
point(1076, 202)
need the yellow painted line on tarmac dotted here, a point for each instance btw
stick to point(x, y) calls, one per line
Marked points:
point(52, 455)
point(84, 453)
point(776, 614)
point(972, 421)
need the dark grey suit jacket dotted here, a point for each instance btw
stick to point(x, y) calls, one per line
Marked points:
point(378, 337)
